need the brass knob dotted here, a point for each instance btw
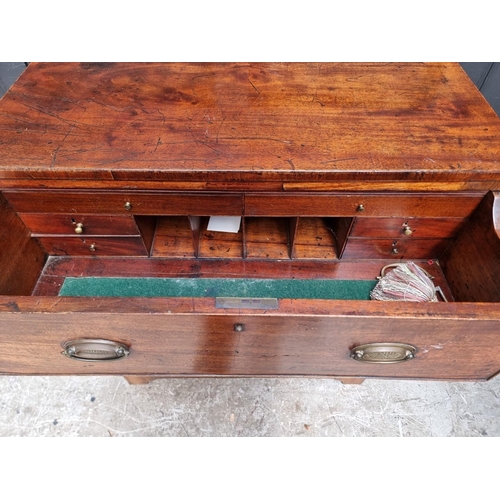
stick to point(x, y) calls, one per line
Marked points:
point(128, 205)
point(395, 251)
point(361, 208)
point(383, 353)
point(92, 247)
point(407, 231)
point(79, 228)
point(238, 327)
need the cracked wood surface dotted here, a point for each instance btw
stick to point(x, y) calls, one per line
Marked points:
point(228, 122)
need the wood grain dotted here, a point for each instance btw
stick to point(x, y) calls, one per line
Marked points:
point(47, 223)
point(174, 238)
point(401, 248)
point(267, 238)
point(374, 205)
point(93, 246)
point(58, 268)
point(219, 245)
point(284, 145)
point(113, 202)
point(21, 257)
point(256, 121)
point(277, 344)
point(393, 227)
point(472, 263)
point(314, 240)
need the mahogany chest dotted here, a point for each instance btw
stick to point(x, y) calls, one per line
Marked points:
point(222, 219)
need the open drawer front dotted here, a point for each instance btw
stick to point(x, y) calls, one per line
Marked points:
point(42, 332)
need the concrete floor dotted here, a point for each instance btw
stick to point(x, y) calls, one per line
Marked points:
point(109, 406)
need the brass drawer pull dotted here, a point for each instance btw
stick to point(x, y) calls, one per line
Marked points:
point(95, 350)
point(127, 206)
point(79, 228)
point(383, 352)
point(407, 231)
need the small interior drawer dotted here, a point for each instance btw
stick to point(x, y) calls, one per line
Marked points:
point(364, 248)
point(94, 246)
point(409, 227)
point(69, 224)
point(125, 203)
point(362, 205)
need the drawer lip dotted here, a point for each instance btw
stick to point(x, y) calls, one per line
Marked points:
point(467, 311)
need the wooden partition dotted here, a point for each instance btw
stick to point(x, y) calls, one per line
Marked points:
point(472, 262)
point(21, 257)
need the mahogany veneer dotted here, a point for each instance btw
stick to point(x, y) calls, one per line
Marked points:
point(336, 170)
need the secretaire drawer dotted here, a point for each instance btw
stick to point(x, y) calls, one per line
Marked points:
point(116, 202)
point(405, 227)
point(81, 224)
point(94, 246)
point(361, 248)
point(169, 337)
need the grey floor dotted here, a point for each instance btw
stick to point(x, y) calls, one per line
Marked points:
point(110, 407)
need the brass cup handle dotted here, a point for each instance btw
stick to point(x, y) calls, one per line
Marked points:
point(384, 352)
point(79, 228)
point(95, 350)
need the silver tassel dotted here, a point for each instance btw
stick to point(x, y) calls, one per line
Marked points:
point(406, 282)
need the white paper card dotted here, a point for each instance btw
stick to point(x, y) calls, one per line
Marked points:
point(224, 224)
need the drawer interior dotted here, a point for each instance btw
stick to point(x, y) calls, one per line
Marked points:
point(149, 252)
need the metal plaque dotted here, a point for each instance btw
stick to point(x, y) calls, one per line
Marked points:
point(245, 303)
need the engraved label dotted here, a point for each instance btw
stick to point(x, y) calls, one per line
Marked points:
point(245, 303)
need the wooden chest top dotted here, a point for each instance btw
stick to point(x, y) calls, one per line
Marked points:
point(250, 122)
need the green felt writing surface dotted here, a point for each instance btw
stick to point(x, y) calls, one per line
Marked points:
point(218, 287)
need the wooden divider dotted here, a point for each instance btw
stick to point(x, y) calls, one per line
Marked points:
point(274, 238)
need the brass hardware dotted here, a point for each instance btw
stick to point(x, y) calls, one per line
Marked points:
point(79, 228)
point(95, 350)
point(395, 251)
point(245, 303)
point(407, 230)
point(92, 247)
point(383, 353)
point(238, 327)
point(361, 208)
point(128, 205)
